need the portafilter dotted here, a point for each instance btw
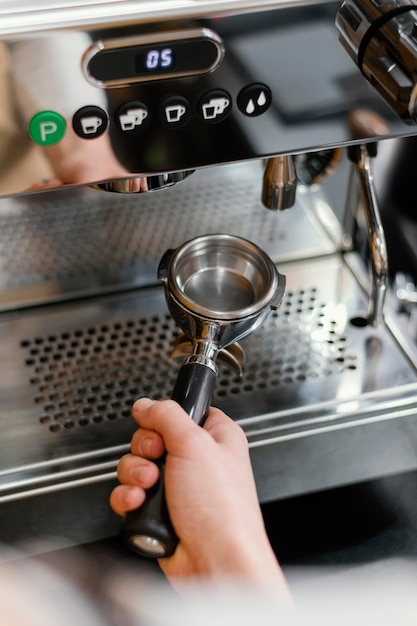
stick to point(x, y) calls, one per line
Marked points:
point(219, 288)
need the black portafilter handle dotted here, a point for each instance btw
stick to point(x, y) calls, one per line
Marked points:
point(148, 530)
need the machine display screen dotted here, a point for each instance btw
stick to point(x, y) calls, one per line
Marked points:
point(116, 62)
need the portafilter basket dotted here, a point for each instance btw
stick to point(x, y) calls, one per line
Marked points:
point(219, 288)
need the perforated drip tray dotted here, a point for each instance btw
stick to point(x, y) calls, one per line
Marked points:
point(70, 375)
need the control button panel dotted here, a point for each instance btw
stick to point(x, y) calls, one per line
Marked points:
point(47, 128)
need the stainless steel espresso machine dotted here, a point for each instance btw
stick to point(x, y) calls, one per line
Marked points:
point(129, 127)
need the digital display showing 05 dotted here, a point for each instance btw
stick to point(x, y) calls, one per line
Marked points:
point(153, 57)
point(168, 58)
point(157, 59)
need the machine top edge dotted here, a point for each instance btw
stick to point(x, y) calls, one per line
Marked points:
point(26, 16)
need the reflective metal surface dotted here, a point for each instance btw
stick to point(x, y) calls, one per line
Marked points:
point(259, 99)
point(219, 289)
point(380, 38)
point(45, 15)
point(81, 242)
point(279, 183)
point(142, 184)
point(221, 277)
point(74, 372)
point(324, 397)
point(319, 397)
point(362, 159)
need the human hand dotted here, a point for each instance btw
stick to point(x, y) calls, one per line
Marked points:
point(76, 161)
point(210, 492)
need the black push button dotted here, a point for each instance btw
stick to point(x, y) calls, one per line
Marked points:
point(215, 106)
point(254, 100)
point(90, 122)
point(132, 117)
point(175, 111)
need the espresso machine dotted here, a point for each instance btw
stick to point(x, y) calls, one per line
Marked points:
point(130, 127)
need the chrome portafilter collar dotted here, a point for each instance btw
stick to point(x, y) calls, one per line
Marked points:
point(220, 287)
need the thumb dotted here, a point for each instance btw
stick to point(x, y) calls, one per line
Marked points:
point(166, 417)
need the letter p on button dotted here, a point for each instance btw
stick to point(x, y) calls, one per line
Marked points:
point(47, 128)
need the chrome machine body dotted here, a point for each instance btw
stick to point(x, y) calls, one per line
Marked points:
point(147, 94)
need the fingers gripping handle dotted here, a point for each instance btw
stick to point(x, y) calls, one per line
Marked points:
point(194, 390)
point(148, 530)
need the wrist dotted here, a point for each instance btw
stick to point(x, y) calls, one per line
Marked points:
point(246, 559)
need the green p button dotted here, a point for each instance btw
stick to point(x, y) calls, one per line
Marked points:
point(47, 128)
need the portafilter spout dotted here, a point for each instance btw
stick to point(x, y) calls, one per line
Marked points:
point(219, 288)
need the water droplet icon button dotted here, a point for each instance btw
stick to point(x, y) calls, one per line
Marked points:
point(254, 100)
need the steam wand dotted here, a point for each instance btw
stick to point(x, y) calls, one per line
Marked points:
point(364, 123)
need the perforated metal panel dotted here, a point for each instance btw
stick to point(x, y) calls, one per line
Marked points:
point(94, 374)
point(61, 244)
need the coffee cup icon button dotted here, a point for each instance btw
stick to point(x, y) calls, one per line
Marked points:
point(215, 106)
point(132, 116)
point(90, 122)
point(175, 111)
